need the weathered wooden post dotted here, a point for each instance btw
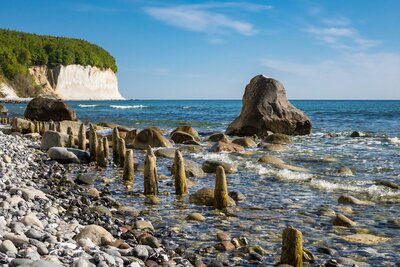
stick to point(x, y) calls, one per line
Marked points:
point(106, 149)
point(292, 247)
point(92, 142)
point(115, 137)
point(31, 127)
point(181, 187)
point(71, 140)
point(150, 173)
point(221, 190)
point(58, 127)
point(100, 159)
point(121, 151)
point(82, 137)
point(128, 174)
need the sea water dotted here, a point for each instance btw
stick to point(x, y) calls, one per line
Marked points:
point(274, 198)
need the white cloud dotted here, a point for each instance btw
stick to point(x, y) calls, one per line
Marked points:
point(352, 76)
point(346, 38)
point(206, 18)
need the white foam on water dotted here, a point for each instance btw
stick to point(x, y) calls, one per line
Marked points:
point(394, 140)
point(218, 156)
point(186, 107)
point(293, 176)
point(87, 106)
point(128, 107)
point(373, 191)
point(259, 169)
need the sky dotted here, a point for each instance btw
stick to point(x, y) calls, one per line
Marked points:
point(342, 49)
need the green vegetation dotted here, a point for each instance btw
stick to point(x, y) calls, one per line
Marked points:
point(19, 50)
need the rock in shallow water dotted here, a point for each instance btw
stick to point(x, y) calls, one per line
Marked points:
point(210, 166)
point(266, 108)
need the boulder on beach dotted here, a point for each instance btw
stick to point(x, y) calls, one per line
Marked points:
point(150, 137)
point(97, 234)
point(62, 155)
point(53, 139)
point(45, 108)
point(265, 107)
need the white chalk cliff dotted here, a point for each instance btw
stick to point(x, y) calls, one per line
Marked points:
point(76, 82)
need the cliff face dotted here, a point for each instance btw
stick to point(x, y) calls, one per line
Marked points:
point(76, 82)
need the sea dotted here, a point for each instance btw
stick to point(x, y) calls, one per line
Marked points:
point(275, 198)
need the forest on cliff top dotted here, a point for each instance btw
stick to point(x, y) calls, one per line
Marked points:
point(20, 50)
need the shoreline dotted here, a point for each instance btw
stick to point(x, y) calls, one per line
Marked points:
point(63, 190)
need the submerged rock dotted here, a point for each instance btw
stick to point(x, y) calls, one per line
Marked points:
point(218, 137)
point(205, 196)
point(277, 138)
point(341, 220)
point(344, 171)
point(388, 184)
point(266, 108)
point(366, 239)
point(244, 142)
point(226, 147)
point(210, 166)
point(180, 137)
point(49, 108)
point(346, 199)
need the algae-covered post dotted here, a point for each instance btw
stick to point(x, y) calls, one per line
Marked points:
point(115, 137)
point(82, 137)
point(150, 173)
point(106, 149)
point(181, 187)
point(221, 190)
point(128, 174)
point(292, 247)
point(100, 158)
point(121, 152)
point(92, 142)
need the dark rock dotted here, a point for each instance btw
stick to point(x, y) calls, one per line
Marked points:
point(388, 184)
point(266, 108)
point(210, 166)
point(237, 196)
point(83, 156)
point(45, 108)
point(355, 134)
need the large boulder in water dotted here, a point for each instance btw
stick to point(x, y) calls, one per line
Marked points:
point(49, 108)
point(266, 108)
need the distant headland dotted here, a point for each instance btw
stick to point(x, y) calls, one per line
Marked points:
point(33, 65)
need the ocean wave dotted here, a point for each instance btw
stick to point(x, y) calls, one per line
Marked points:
point(394, 140)
point(87, 106)
point(128, 107)
point(293, 176)
point(186, 107)
point(374, 192)
point(259, 169)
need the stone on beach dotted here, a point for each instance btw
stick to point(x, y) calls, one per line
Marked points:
point(346, 199)
point(280, 139)
point(49, 108)
point(53, 139)
point(97, 234)
point(187, 129)
point(217, 137)
point(265, 107)
point(62, 155)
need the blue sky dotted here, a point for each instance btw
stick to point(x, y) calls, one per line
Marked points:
point(210, 49)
